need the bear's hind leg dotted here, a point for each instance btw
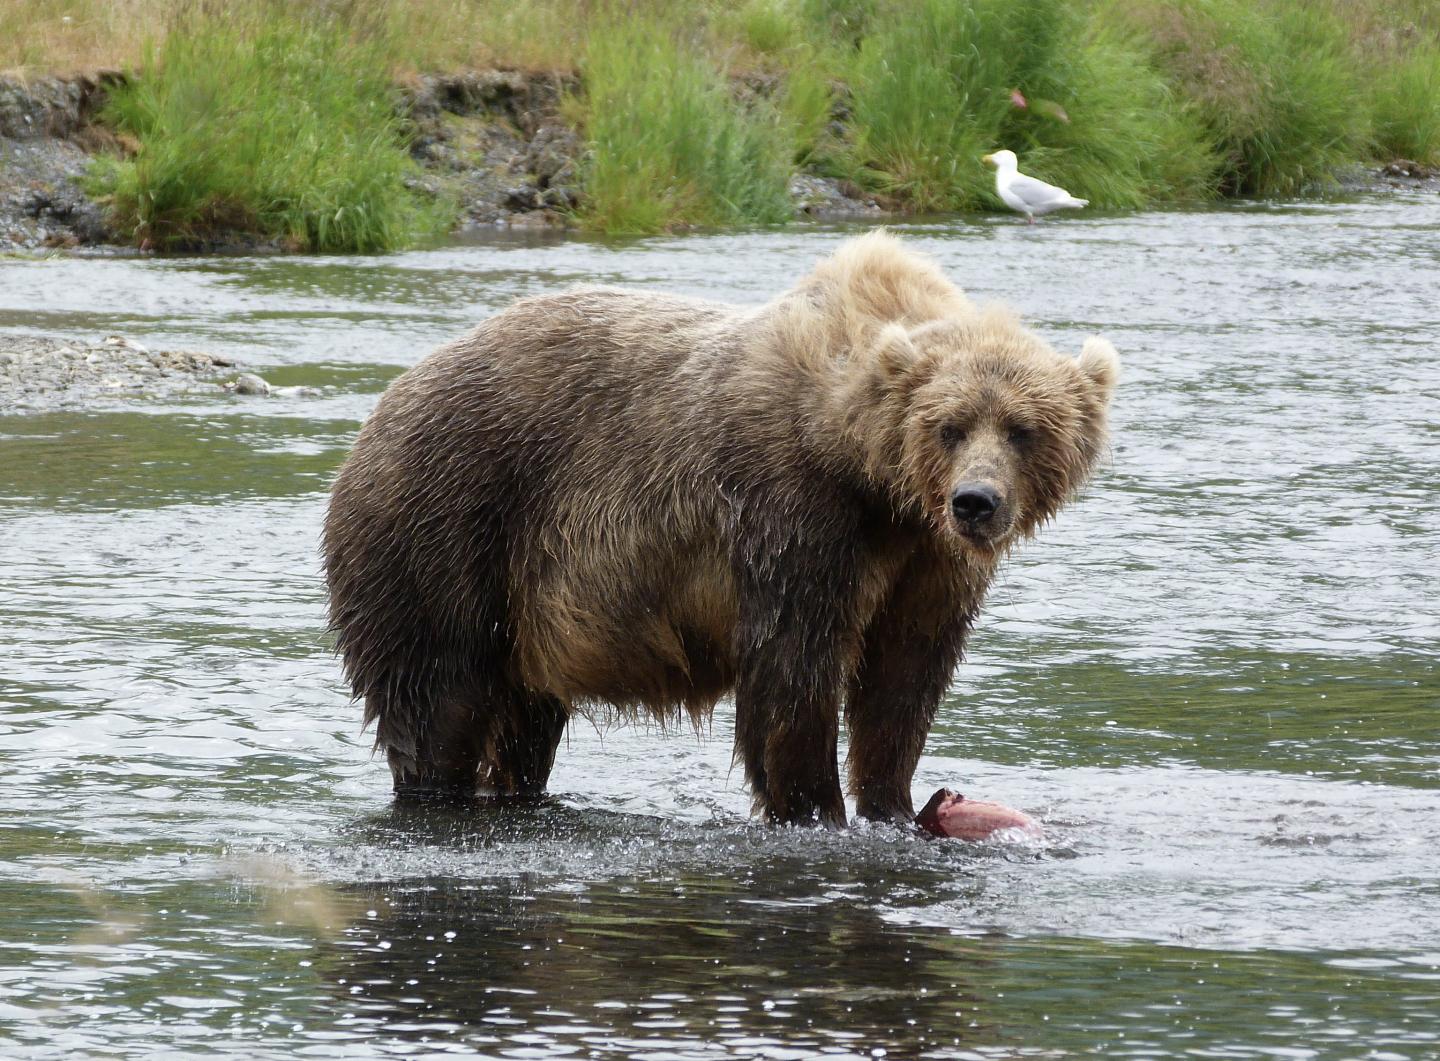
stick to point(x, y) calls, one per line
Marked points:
point(518, 750)
point(433, 754)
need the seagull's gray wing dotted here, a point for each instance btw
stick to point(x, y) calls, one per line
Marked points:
point(1037, 193)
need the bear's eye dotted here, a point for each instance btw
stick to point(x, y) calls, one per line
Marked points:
point(951, 435)
point(1020, 435)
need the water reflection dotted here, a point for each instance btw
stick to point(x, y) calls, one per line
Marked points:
point(681, 966)
point(770, 965)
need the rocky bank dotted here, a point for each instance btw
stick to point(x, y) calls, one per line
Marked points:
point(47, 135)
point(492, 141)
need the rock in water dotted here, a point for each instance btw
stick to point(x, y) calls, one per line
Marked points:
point(249, 383)
point(950, 814)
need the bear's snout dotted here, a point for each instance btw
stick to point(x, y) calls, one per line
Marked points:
point(974, 505)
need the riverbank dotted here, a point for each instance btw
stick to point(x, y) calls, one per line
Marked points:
point(298, 126)
point(492, 144)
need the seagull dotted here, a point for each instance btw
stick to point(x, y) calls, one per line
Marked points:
point(1026, 195)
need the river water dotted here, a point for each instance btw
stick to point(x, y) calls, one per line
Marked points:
point(1214, 678)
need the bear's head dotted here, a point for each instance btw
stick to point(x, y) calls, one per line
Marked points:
point(979, 424)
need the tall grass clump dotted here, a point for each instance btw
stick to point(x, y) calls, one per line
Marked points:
point(767, 26)
point(783, 46)
point(1122, 139)
point(939, 83)
point(1397, 47)
point(670, 144)
point(1277, 84)
point(266, 120)
point(1405, 104)
point(846, 21)
point(929, 90)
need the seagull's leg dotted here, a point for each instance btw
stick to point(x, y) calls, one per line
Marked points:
point(1029, 219)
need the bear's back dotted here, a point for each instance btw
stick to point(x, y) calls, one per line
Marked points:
point(587, 339)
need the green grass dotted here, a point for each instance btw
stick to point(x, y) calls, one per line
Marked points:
point(1134, 102)
point(670, 144)
point(768, 27)
point(928, 95)
point(934, 91)
point(277, 117)
point(1127, 140)
point(267, 122)
point(1277, 84)
point(1405, 105)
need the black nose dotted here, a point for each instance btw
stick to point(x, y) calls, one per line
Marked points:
point(974, 503)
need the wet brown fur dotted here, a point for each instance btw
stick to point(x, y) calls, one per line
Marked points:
point(620, 499)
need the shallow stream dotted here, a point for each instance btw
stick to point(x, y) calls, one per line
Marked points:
point(1215, 679)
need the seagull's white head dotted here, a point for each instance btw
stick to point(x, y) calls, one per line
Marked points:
point(1002, 160)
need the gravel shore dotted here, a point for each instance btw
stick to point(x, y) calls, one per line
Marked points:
point(40, 374)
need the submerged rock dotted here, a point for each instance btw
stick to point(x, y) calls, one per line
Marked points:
point(248, 383)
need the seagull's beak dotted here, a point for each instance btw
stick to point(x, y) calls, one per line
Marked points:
point(989, 160)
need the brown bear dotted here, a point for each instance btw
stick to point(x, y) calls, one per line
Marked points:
point(618, 499)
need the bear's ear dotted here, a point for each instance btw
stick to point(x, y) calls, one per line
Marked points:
point(895, 355)
point(1100, 364)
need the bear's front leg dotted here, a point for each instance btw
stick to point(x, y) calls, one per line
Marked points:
point(795, 643)
point(911, 649)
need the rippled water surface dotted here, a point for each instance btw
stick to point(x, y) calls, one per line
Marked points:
point(1214, 678)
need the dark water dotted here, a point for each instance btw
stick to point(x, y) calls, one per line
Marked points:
point(1215, 679)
